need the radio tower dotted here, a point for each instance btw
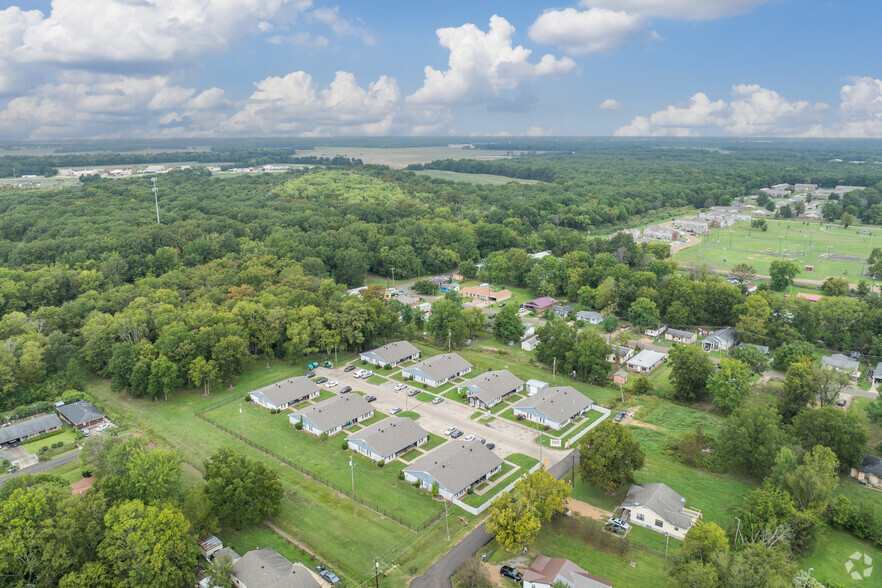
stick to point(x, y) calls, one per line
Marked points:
point(156, 197)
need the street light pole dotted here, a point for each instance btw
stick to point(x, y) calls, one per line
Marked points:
point(377, 573)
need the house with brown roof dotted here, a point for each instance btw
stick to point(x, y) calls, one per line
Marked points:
point(545, 571)
point(540, 304)
point(555, 407)
point(391, 354)
point(485, 293)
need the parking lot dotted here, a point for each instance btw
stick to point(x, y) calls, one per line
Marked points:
point(18, 456)
point(509, 437)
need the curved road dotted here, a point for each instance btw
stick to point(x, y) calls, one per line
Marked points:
point(438, 576)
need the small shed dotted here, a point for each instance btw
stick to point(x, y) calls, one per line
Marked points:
point(535, 386)
point(620, 377)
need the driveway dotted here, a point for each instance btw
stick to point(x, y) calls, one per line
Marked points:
point(18, 456)
point(45, 466)
point(508, 436)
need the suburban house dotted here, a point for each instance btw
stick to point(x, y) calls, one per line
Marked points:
point(645, 362)
point(388, 439)
point(81, 414)
point(484, 293)
point(540, 304)
point(869, 470)
point(491, 388)
point(545, 571)
point(555, 407)
point(332, 415)
point(437, 370)
point(530, 343)
point(448, 286)
point(842, 364)
point(620, 377)
point(620, 353)
point(535, 386)
point(285, 393)
point(589, 316)
point(660, 233)
point(877, 373)
point(723, 339)
point(657, 507)
point(24, 430)
point(562, 311)
point(656, 332)
point(678, 336)
point(455, 466)
point(391, 354)
point(266, 568)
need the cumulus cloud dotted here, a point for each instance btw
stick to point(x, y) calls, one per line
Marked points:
point(610, 104)
point(341, 26)
point(588, 31)
point(482, 64)
point(755, 111)
point(679, 9)
point(537, 131)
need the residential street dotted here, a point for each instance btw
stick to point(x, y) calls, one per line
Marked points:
point(45, 466)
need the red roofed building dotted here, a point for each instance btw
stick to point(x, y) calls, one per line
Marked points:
point(540, 304)
point(809, 297)
point(545, 571)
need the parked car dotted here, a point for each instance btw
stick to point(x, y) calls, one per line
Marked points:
point(841, 402)
point(15, 443)
point(310, 374)
point(491, 445)
point(449, 430)
point(619, 416)
point(331, 384)
point(510, 572)
point(346, 390)
point(86, 432)
point(413, 392)
point(501, 304)
point(327, 574)
point(616, 523)
point(12, 470)
point(456, 434)
point(437, 400)
point(469, 438)
point(400, 387)
point(367, 374)
point(395, 410)
point(481, 440)
point(349, 368)
point(321, 380)
point(370, 398)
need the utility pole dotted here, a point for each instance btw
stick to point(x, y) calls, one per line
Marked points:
point(377, 573)
point(449, 334)
point(156, 197)
point(553, 370)
point(352, 474)
point(446, 521)
point(242, 415)
point(573, 453)
point(540, 442)
point(335, 355)
point(393, 277)
point(621, 392)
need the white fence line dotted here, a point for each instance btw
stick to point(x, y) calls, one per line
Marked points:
point(486, 505)
point(604, 411)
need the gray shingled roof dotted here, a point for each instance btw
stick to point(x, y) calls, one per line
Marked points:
point(266, 568)
point(560, 403)
point(336, 411)
point(287, 391)
point(661, 500)
point(840, 361)
point(679, 334)
point(395, 352)
point(646, 358)
point(390, 435)
point(80, 412)
point(870, 464)
point(724, 337)
point(440, 367)
point(457, 464)
point(587, 315)
point(491, 385)
point(28, 428)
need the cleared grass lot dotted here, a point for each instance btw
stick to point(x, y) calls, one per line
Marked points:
point(522, 464)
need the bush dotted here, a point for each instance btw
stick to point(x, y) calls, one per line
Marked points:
point(323, 437)
point(401, 475)
point(470, 491)
point(381, 463)
point(298, 425)
point(57, 444)
point(42, 458)
point(248, 398)
point(387, 367)
point(86, 473)
point(364, 362)
point(44, 449)
point(344, 446)
point(519, 417)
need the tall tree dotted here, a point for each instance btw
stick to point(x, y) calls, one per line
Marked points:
point(751, 438)
point(588, 356)
point(782, 274)
point(164, 378)
point(243, 491)
point(730, 384)
point(690, 370)
point(513, 521)
point(839, 430)
point(446, 322)
point(547, 494)
point(609, 456)
point(507, 324)
point(743, 272)
point(799, 390)
point(644, 313)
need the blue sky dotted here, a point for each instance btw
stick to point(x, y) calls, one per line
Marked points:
point(143, 68)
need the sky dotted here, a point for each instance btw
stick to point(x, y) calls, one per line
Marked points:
point(73, 69)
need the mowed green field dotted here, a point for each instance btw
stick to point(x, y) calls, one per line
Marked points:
point(471, 178)
point(806, 243)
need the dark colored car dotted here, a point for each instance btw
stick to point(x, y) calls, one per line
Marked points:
point(346, 390)
point(456, 434)
point(491, 445)
point(310, 374)
point(370, 398)
point(327, 574)
point(349, 368)
point(510, 572)
point(321, 380)
point(619, 416)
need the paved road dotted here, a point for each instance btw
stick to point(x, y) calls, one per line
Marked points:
point(438, 576)
point(44, 466)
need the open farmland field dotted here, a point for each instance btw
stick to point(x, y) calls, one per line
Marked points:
point(402, 157)
point(471, 178)
point(806, 243)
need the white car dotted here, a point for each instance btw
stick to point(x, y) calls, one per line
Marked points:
point(469, 438)
point(331, 384)
point(449, 430)
point(400, 387)
point(437, 400)
point(395, 410)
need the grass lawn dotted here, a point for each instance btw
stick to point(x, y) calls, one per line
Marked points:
point(425, 397)
point(675, 418)
point(454, 395)
point(834, 549)
point(523, 463)
point(598, 498)
point(66, 436)
point(261, 536)
point(409, 414)
point(411, 455)
point(375, 379)
point(858, 493)
point(486, 420)
point(476, 415)
point(874, 431)
point(398, 377)
point(378, 416)
point(653, 540)
point(433, 442)
point(591, 417)
point(497, 408)
point(324, 394)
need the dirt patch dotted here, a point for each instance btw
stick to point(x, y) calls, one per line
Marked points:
point(492, 572)
point(588, 510)
point(630, 420)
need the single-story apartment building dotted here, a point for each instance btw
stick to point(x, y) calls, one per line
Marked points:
point(334, 414)
point(391, 354)
point(869, 470)
point(657, 507)
point(81, 414)
point(545, 571)
point(590, 316)
point(491, 388)
point(388, 439)
point(678, 336)
point(23, 430)
point(455, 466)
point(535, 386)
point(620, 353)
point(645, 362)
point(724, 339)
point(809, 297)
point(438, 370)
point(540, 304)
point(266, 568)
point(285, 393)
point(555, 407)
point(660, 233)
point(484, 293)
point(842, 364)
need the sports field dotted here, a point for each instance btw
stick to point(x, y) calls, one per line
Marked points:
point(805, 243)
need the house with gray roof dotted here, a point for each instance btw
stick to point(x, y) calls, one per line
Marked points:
point(877, 373)
point(545, 571)
point(333, 415)
point(645, 362)
point(438, 370)
point(24, 430)
point(455, 466)
point(388, 439)
point(724, 339)
point(391, 354)
point(657, 507)
point(589, 316)
point(678, 336)
point(620, 353)
point(870, 470)
point(81, 414)
point(562, 310)
point(554, 407)
point(491, 388)
point(842, 364)
point(285, 393)
point(266, 568)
